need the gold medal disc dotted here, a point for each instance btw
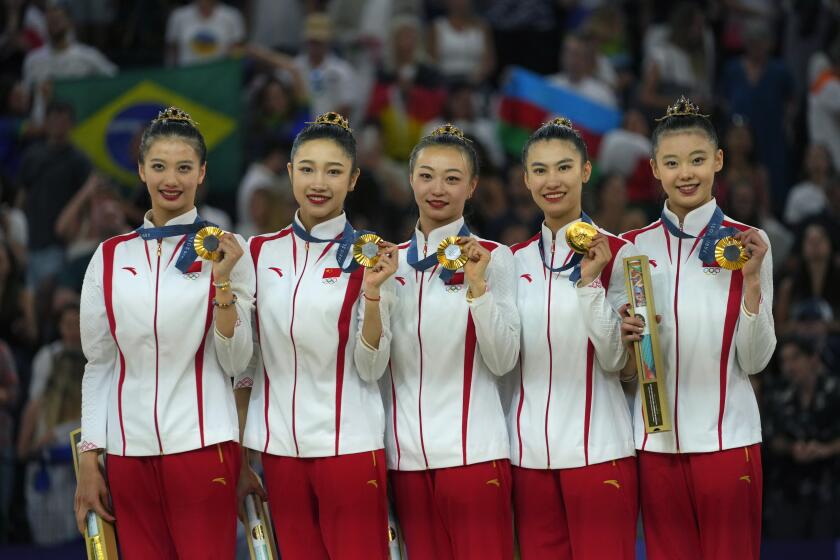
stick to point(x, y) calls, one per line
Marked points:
point(207, 242)
point(366, 249)
point(730, 253)
point(450, 255)
point(579, 235)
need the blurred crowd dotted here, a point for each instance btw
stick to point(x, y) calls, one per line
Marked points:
point(766, 71)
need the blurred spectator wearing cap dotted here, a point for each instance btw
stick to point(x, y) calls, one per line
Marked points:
point(330, 79)
point(202, 31)
point(51, 173)
point(760, 88)
point(824, 101)
point(461, 44)
point(61, 57)
point(808, 197)
point(802, 431)
point(816, 275)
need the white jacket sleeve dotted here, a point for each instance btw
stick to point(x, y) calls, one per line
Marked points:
point(755, 335)
point(495, 315)
point(245, 378)
point(234, 353)
point(101, 352)
point(371, 362)
point(600, 313)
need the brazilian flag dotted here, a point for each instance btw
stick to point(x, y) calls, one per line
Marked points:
point(111, 113)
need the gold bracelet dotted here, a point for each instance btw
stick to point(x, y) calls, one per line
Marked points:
point(224, 305)
point(222, 286)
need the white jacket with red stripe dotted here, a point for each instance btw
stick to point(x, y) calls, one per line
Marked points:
point(314, 382)
point(442, 384)
point(568, 409)
point(710, 345)
point(158, 377)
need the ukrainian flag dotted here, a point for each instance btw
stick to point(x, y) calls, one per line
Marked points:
point(112, 112)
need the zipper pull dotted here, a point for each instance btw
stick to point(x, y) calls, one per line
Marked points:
point(425, 248)
point(160, 242)
point(306, 246)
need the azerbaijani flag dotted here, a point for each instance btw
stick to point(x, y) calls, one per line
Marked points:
point(530, 99)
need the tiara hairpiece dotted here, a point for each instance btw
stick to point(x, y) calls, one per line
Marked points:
point(450, 130)
point(683, 107)
point(559, 121)
point(334, 119)
point(175, 114)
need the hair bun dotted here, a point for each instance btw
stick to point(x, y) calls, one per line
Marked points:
point(682, 108)
point(449, 129)
point(559, 121)
point(333, 119)
point(175, 114)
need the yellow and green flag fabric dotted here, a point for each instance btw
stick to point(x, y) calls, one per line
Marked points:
point(111, 114)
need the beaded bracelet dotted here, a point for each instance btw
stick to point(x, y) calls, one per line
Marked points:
point(224, 305)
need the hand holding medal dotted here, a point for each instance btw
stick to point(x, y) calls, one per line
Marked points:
point(220, 247)
point(753, 250)
point(380, 259)
point(476, 258)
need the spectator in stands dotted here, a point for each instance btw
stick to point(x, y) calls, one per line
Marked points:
point(824, 101)
point(61, 57)
point(816, 275)
point(330, 80)
point(808, 197)
point(267, 174)
point(51, 172)
point(578, 61)
point(202, 31)
point(626, 151)
point(679, 59)
point(8, 405)
point(18, 326)
point(802, 431)
point(611, 206)
point(461, 44)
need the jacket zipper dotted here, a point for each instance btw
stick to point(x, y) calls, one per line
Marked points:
point(294, 348)
point(157, 350)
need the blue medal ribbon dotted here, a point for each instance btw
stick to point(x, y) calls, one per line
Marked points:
point(714, 233)
point(344, 241)
point(425, 264)
point(188, 254)
point(574, 262)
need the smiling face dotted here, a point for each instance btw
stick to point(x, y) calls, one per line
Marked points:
point(685, 163)
point(442, 181)
point(322, 174)
point(172, 171)
point(555, 174)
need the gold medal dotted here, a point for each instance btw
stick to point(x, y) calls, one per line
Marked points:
point(366, 249)
point(207, 242)
point(579, 235)
point(450, 255)
point(730, 253)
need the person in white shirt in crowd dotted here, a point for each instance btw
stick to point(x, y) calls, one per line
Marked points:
point(455, 334)
point(62, 57)
point(265, 173)
point(570, 429)
point(331, 79)
point(164, 332)
point(314, 411)
point(461, 44)
point(808, 197)
point(203, 31)
point(700, 483)
point(578, 61)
